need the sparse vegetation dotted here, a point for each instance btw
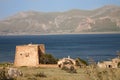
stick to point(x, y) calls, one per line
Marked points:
point(102, 74)
point(89, 72)
point(3, 74)
point(6, 64)
point(46, 73)
point(70, 69)
point(40, 74)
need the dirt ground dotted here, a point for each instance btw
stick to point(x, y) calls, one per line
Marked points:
point(48, 65)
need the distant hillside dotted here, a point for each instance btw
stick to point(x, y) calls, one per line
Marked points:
point(105, 19)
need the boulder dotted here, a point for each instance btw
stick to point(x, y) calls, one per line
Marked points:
point(14, 72)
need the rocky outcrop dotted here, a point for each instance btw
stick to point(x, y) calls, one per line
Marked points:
point(14, 72)
point(68, 62)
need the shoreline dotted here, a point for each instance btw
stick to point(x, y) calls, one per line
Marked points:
point(62, 34)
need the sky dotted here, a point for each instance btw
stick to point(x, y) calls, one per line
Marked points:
point(11, 7)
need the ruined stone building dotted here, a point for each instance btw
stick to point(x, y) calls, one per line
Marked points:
point(28, 55)
point(66, 61)
point(114, 63)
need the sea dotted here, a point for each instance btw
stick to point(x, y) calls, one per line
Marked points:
point(98, 47)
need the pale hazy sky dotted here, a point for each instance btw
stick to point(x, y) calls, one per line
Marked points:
point(10, 7)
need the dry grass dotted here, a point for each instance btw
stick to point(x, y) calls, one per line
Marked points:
point(51, 74)
point(55, 73)
point(48, 66)
point(58, 74)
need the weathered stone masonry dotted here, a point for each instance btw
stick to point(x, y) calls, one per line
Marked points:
point(114, 63)
point(28, 55)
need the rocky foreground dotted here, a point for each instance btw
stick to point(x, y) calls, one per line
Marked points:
point(55, 73)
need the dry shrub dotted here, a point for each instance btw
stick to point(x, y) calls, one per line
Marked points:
point(70, 69)
point(102, 74)
point(41, 74)
point(4, 75)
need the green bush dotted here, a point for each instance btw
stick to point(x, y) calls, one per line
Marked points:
point(48, 59)
point(81, 62)
point(118, 65)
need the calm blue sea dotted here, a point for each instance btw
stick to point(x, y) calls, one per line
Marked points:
point(97, 46)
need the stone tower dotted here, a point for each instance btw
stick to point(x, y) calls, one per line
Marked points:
point(28, 55)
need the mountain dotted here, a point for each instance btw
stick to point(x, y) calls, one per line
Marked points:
point(104, 19)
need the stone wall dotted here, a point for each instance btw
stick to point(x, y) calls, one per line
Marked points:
point(109, 64)
point(28, 55)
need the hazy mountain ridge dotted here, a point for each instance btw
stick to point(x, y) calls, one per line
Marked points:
point(105, 19)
